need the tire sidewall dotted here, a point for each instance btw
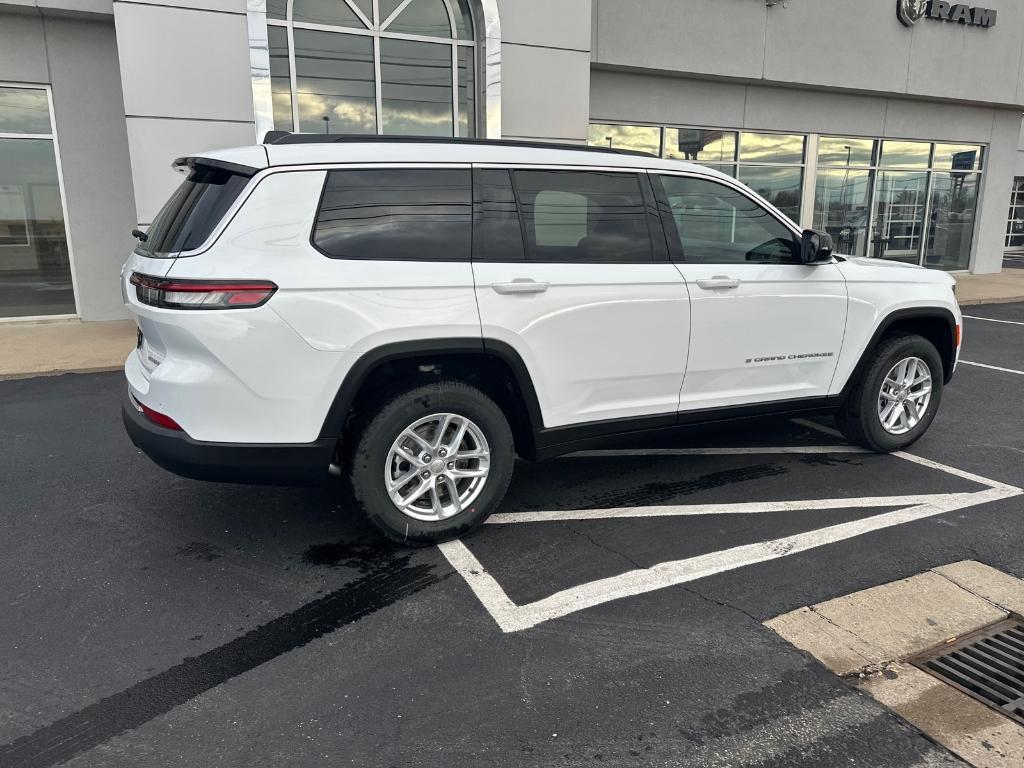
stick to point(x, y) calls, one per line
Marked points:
point(905, 347)
point(370, 457)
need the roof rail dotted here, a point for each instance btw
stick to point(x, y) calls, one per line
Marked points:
point(284, 137)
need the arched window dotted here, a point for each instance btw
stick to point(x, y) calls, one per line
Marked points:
point(373, 66)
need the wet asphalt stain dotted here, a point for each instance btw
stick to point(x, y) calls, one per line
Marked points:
point(661, 492)
point(357, 554)
point(201, 551)
point(389, 578)
point(830, 460)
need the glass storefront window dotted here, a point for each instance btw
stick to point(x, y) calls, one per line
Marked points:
point(780, 185)
point(35, 269)
point(339, 87)
point(416, 88)
point(771, 148)
point(334, 74)
point(905, 154)
point(640, 138)
point(957, 157)
point(1015, 222)
point(954, 203)
point(842, 207)
point(834, 150)
point(900, 199)
point(24, 110)
point(700, 145)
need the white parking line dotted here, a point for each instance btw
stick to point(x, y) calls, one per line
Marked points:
point(992, 367)
point(512, 618)
point(742, 508)
point(993, 320)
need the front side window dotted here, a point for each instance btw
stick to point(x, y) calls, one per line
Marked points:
point(193, 211)
point(402, 214)
point(398, 67)
point(584, 216)
point(719, 225)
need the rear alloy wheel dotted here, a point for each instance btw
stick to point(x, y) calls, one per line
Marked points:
point(897, 396)
point(437, 467)
point(433, 463)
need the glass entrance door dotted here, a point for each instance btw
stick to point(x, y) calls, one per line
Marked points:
point(901, 199)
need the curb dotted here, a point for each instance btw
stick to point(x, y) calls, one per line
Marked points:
point(996, 300)
point(17, 376)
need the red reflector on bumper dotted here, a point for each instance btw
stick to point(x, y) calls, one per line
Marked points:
point(160, 419)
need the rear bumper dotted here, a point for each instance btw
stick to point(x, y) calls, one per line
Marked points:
point(259, 463)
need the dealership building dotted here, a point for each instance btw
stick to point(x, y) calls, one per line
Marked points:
point(894, 126)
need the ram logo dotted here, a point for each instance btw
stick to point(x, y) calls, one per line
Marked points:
point(911, 11)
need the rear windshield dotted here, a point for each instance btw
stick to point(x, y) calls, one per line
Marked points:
point(195, 208)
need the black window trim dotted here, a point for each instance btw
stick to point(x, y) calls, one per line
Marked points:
point(675, 244)
point(332, 167)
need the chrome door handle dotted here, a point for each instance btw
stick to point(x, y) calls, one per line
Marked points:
point(719, 281)
point(520, 285)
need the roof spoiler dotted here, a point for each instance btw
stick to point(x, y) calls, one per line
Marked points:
point(188, 164)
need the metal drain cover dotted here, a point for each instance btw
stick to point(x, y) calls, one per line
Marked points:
point(987, 665)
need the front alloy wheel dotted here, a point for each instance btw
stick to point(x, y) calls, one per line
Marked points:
point(904, 396)
point(437, 467)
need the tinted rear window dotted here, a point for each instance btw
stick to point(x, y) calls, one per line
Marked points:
point(407, 214)
point(195, 208)
point(586, 216)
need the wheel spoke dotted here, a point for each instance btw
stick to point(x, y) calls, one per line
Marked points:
point(400, 482)
point(920, 393)
point(435, 501)
point(458, 437)
point(422, 488)
point(442, 427)
point(408, 456)
point(412, 435)
point(453, 494)
point(884, 415)
point(478, 472)
point(903, 417)
point(477, 453)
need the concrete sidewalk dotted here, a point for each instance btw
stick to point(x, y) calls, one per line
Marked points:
point(51, 347)
point(70, 346)
point(1000, 288)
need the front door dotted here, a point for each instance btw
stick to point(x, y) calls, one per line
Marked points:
point(764, 327)
point(580, 285)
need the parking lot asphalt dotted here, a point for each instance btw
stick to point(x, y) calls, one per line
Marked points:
point(152, 620)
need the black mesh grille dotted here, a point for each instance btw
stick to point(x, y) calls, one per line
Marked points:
point(988, 665)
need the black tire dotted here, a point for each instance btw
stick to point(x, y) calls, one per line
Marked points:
point(859, 418)
point(370, 456)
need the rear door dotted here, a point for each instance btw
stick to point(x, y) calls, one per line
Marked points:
point(764, 326)
point(571, 270)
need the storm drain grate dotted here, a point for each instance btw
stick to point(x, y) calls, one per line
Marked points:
point(987, 665)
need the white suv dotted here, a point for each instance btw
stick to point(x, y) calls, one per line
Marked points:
point(420, 312)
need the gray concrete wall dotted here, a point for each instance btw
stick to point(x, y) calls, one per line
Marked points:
point(545, 69)
point(186, 83)
point(77, 57)
point(835, 44)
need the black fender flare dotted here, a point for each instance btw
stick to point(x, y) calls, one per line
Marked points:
point(334, 422)
point(909, 313)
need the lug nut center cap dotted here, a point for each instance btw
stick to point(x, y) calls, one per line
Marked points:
point(437, 466)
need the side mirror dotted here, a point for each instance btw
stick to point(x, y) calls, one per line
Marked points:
point(815, 247)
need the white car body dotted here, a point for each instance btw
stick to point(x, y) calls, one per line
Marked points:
point(605, 347)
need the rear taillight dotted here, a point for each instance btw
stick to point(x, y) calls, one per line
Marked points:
point(170, 293)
